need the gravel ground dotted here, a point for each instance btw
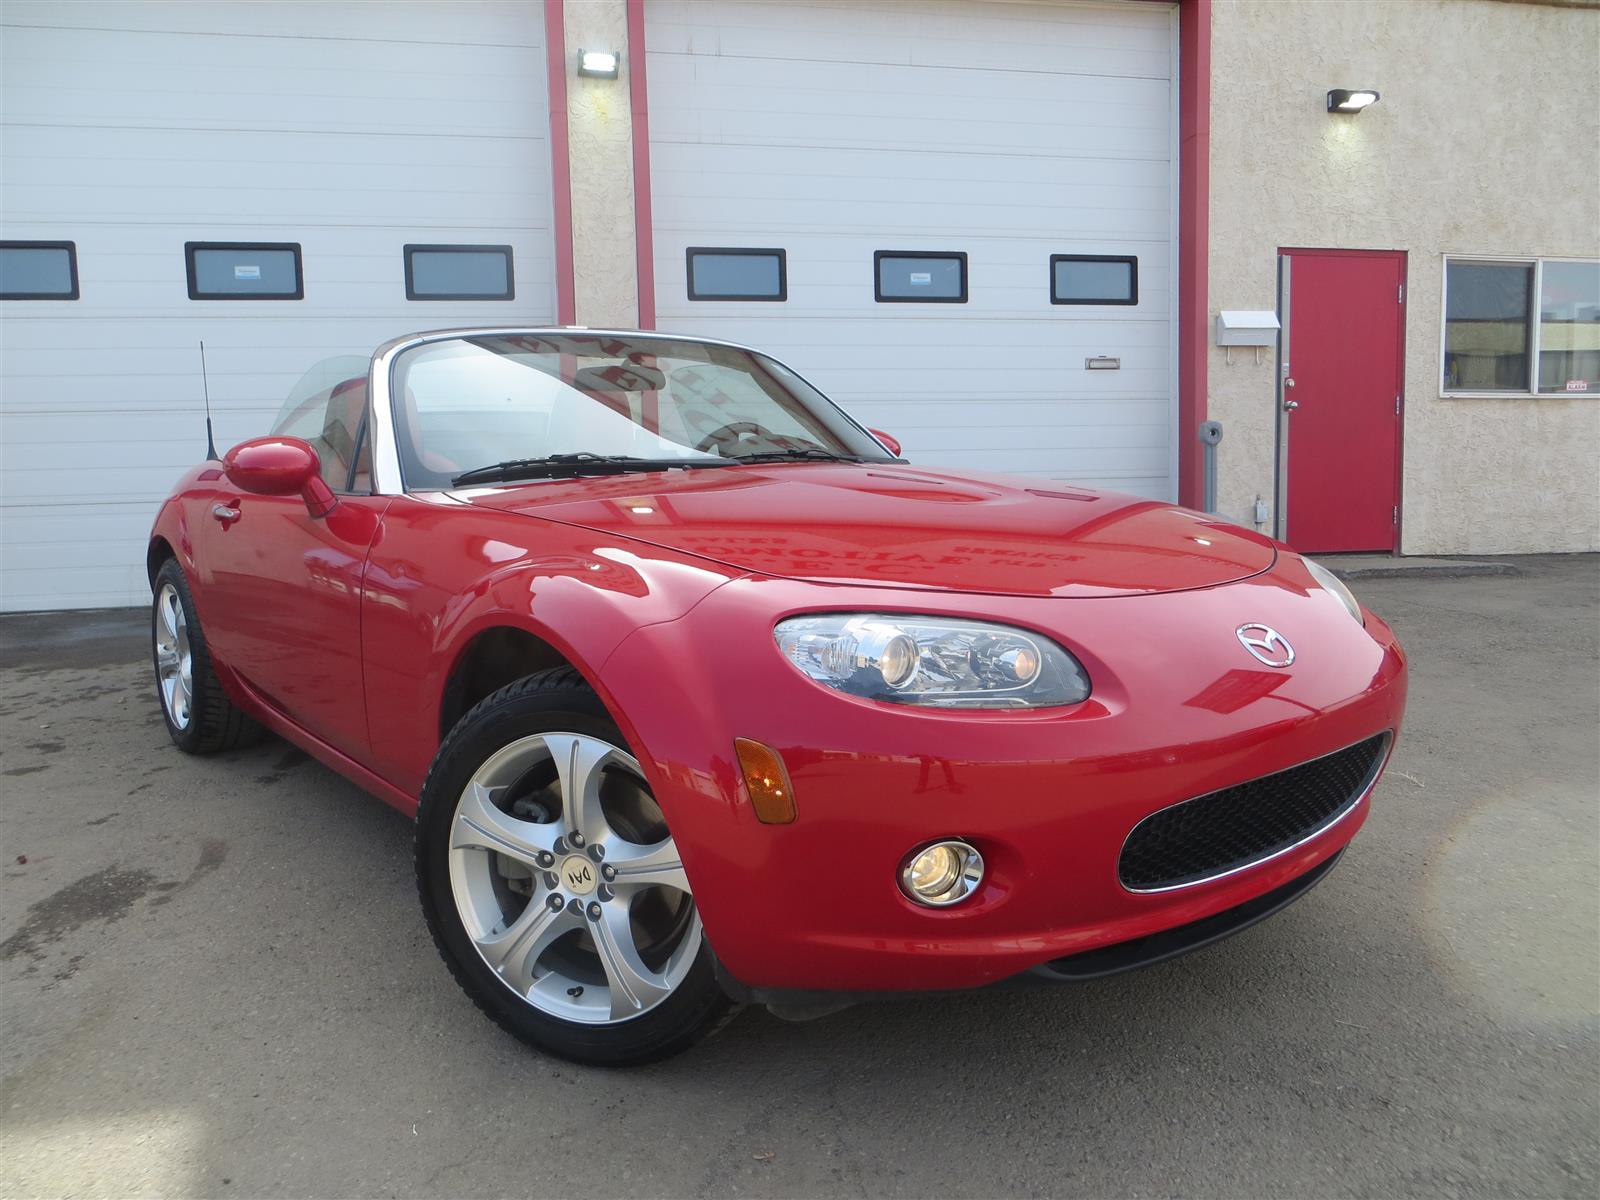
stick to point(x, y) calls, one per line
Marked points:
point(215, 982)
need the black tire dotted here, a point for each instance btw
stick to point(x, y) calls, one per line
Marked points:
point(214, 722)
point(546, 702)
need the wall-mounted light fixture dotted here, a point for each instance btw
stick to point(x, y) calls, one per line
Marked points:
point(1351, 100)
point(600, 64)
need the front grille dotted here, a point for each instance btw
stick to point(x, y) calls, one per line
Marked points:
point(1223, 831)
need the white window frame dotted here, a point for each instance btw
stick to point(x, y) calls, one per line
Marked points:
point(1536, 261)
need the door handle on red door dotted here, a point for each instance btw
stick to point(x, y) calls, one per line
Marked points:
point(224, 513)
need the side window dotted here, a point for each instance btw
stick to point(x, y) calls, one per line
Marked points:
point(329, 410)
point(736, 273)
point(459, 273)
point(1094, 279)
point(38, 271)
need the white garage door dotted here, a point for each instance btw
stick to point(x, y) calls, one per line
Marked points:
point(1005, 132)
point(351, 130)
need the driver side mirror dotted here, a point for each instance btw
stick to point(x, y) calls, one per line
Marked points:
point(890, 443)
point(280, 466)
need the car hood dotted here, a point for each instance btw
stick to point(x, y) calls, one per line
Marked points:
point(891, 525)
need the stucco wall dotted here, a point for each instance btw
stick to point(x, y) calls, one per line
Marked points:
point(599, 128)
point(1486, 141)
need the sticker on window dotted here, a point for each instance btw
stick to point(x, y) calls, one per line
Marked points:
point(244, 270)
point(920, 276)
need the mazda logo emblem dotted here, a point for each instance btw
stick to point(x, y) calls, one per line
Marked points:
point(1266, 645)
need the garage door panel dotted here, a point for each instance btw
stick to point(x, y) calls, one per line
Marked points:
point(81, 154)
point(1008, 132)
point(1005, 37)
point(499, 22)
point(833, 168)
point(245, 123)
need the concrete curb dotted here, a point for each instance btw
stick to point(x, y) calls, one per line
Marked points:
point(1401, 569)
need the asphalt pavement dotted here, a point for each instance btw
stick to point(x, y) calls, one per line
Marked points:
point(214, 981)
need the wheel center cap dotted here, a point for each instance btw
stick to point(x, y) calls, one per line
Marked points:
point(578, 875)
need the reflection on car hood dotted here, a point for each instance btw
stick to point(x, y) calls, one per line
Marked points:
point(909, 527)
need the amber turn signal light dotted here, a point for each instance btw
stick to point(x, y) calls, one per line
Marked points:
point(767, 781)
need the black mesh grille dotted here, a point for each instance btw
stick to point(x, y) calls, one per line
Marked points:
point(1219, 832)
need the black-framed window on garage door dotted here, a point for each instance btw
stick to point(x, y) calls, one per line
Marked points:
point(737, 273)
point(919, 276)
point(459, 272)
point(38, 270)
point(1094, 279)
point(244, 270)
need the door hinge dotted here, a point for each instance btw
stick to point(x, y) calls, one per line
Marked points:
point(1400, 293)
point(1395, 519)
point(1397, 406)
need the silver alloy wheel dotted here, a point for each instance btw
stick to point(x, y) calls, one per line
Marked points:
point(579, 920)
point(174, 663)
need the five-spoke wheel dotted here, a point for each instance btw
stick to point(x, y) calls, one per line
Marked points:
point(200, 717)
point(552, 884)
point(567, 881)
point(174, 662)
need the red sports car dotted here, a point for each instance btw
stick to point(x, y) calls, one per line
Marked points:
point(700, 694)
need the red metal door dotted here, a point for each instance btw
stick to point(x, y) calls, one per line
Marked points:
point(1346, 338)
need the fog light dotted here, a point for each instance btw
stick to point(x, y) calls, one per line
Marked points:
point(942, 874)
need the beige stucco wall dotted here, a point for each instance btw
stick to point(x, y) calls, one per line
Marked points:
point(1486, 141)
point(599, 129)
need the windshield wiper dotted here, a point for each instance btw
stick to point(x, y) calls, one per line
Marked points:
point(582, 462)
point(813, 454)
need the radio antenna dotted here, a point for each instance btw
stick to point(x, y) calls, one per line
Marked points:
point(211, 444)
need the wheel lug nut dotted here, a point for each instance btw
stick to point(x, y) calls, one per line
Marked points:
point(609, 872)
point(555, 901)
point(546, 859)
point(594, 912)
point(577, 840)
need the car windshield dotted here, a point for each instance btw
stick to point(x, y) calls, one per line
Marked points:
point(469, 403)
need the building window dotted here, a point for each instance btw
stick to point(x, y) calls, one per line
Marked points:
point(736, 273)
point(1094, 279)
point(38, 271)
point(1521, 327)
point(919, 276)
point(244, 270)
point(459, 273)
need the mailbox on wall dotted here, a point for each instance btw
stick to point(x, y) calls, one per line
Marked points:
point(1255, 327)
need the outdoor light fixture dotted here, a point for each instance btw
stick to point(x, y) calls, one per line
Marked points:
point(602, 64)
point(1351, 100)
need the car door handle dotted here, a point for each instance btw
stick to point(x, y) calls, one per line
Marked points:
point(224, 513)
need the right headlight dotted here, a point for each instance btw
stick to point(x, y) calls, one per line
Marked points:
point(936, 662)
point(1332, 583)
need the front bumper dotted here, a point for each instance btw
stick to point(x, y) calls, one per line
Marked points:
point(1153, 948)
point(1049, 797)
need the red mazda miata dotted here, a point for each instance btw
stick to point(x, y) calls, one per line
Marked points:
point(701, 695)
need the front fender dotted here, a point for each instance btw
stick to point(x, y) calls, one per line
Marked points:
point(428, 593)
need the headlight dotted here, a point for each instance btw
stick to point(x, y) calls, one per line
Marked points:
point(1332, 583)
point(934, 661)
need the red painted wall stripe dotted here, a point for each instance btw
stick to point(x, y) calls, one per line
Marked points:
point(1194, 237)
point(643, 223)
point(555, 52)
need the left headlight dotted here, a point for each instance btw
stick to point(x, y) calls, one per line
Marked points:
point(1332, 583)
point(934, 661)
